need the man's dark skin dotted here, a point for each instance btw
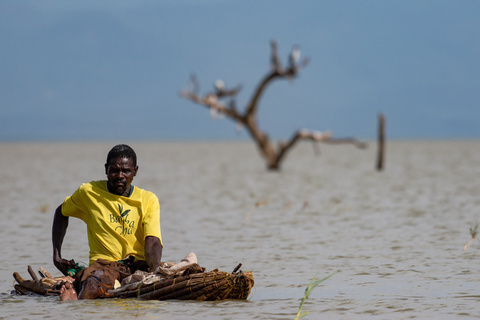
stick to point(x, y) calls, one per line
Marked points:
point(120, 173)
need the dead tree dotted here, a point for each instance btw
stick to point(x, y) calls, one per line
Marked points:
point(381, 142)
point(247, 118)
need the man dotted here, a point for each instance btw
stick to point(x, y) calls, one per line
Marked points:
point(123, 226)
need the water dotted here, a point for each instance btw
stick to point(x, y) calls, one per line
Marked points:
point(397, 236)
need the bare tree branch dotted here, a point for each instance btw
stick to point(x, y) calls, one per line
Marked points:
point(248, 119)
point(252, 106)
point(315, 136)
point(277, 72)
point(211, 101)
point(276, 64)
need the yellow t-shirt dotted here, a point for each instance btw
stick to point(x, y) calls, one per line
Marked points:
point(116, 225)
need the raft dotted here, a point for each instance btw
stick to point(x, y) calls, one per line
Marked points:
point(192, 284)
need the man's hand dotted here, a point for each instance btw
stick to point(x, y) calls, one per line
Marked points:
point(64, 265)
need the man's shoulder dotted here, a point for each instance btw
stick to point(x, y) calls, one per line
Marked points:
point(94, 185)
point(143, 193)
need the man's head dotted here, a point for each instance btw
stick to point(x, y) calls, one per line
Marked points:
point(120, 168)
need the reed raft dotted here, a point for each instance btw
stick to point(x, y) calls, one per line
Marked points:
point(193, 284)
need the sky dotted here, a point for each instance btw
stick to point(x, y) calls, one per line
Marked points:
point(113, 69)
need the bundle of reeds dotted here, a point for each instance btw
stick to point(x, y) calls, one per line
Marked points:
point(212, 285)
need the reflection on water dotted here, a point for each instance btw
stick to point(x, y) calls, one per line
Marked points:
point(395, 236)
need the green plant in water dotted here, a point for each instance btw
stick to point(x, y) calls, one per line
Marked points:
point(313, 283)
point(473, 233)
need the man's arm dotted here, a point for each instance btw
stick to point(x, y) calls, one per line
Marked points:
point(59, 229)
point(153, 252)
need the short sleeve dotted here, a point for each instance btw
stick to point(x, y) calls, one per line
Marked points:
point(74, 206)
point(151, 221)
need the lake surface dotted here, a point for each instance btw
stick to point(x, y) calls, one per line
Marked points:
point(395, 236)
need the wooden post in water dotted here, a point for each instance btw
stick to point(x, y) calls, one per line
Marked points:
point(381, 142)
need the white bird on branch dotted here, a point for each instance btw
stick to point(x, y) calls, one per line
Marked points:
point(294, 56)
point(221, 91)
point(304, 133)
point(215, 114)
point(219, 85)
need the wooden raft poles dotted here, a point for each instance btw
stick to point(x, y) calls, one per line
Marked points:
point(46, 285)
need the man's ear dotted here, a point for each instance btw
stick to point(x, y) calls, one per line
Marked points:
point(106, 169)
point(135, 172)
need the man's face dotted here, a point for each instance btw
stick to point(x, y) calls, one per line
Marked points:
point(120, 173)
